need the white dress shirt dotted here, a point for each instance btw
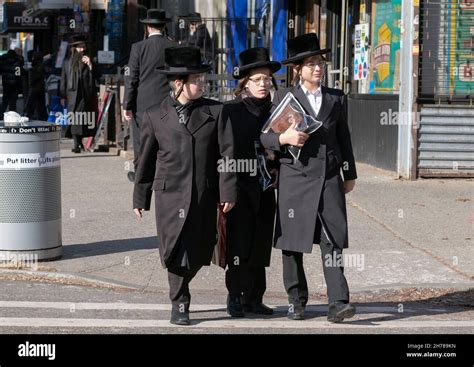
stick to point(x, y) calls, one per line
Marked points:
point(315, 98)
point(154, 34)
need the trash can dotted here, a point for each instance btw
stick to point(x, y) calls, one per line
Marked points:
point(30, 191)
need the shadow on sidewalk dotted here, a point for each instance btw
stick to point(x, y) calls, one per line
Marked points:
point(449, 303)
point(108, 247)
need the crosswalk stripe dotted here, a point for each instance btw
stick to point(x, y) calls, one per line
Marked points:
point(231, 323)
point(167, 307)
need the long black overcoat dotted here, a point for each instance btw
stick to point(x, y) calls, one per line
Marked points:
point(250, 224)
point(311, 192)
point(180, 164)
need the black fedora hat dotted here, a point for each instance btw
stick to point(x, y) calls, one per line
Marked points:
point(194, 17)
point(302, 47)
point(155, 16)
point(183, 60)
point(76, 39)
point(255, 58)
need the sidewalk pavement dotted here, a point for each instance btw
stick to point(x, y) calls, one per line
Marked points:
point(410, 237)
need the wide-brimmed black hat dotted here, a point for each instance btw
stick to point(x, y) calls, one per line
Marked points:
point(302, 47)
point(255, 58)
point(194, 17)
point(155, 16)
point(183, 60)
point(76, 39)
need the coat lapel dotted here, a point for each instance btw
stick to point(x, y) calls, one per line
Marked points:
point(199, 117)
point(301, 97)
point(170, 117)
point(326, 105)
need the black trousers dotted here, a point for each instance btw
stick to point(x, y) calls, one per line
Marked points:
point(36, 102)
point(179, 279)
point(136, 123)
point(249, 282)
point(77, 141)
point(10, 96)
point(294, 277)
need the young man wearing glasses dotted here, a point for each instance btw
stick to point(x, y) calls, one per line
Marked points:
point(311, 201)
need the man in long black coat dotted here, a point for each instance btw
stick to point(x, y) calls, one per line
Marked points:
point(144, 87)
point(182, 143)
point(79, 92)
point(311, 201)
point(199, 37)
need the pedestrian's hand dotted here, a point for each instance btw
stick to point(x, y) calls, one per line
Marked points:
point(127, 114)
point(138, 212)
point(87, 60)
point(63, 102)
point(349, 186)
point(293, 137)
point(227, 206)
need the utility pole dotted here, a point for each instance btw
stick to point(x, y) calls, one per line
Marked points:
point(407, 137)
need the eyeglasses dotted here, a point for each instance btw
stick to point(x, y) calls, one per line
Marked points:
point(265, 79)
point(312, 65)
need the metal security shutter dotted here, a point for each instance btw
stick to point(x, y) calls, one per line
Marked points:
point(446, 67)
point(446, 142)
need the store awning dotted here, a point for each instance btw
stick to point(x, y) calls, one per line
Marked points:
point(13, 20)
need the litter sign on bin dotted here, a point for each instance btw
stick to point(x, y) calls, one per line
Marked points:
point(30, 160)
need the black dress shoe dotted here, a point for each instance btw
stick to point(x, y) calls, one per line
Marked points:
point(295, 313)
point(179, 318)
point(338, 311)
point(131, 176)
point(258, 308)
point(76, 150)
point(234, 306)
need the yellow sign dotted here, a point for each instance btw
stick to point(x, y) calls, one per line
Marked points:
point(382, 52)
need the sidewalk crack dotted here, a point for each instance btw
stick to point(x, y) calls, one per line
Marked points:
point(408, 242)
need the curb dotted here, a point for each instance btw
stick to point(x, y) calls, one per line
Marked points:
point(63, 278)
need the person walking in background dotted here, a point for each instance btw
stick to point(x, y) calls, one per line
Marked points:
point(144, 87)
point(183, 138)
point(11, 66)
point(36, 96)
point(78, 90)
point(311, 201)
point(199, 37)
point(250, 223)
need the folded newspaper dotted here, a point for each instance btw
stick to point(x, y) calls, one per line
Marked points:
point(288, 111)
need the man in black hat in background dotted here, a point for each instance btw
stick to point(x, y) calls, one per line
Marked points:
point(199, 36)
point(144, 87)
